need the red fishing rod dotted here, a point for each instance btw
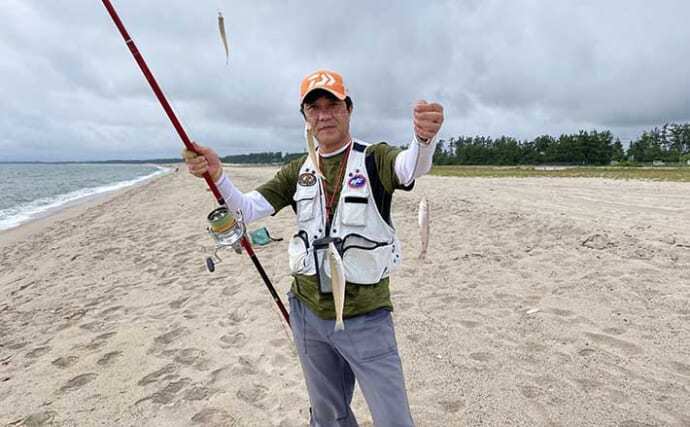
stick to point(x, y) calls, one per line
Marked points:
point(243, 241)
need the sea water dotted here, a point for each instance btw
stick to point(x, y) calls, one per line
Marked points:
point(31, 190)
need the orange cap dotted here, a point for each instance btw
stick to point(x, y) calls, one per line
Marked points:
point(326, 80)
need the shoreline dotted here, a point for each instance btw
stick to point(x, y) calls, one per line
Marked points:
point(72, 209)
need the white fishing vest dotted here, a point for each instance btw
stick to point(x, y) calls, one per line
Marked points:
point(370, 248)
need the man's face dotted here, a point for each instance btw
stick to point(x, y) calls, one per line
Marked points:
point(329, 117)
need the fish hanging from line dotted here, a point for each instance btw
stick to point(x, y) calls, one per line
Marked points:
point(221, 28)
point(424, 226)
point(311, 149)
point(335, 263)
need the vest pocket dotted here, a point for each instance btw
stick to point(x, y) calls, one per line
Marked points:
point(298, 251)
point(306, 200)
point(355, 210)
point(366, 261)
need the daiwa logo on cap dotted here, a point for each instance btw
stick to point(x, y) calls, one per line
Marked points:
point(320, 79)
point(323, 79)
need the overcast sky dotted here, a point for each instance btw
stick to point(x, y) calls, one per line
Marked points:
point(70, 89)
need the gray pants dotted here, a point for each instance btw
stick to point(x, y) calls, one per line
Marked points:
point(365, 350)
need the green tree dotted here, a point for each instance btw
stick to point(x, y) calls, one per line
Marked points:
point(617, 153)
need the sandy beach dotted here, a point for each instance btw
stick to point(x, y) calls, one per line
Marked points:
point(542, 302)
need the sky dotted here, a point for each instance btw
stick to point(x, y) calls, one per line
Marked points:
point(70, 89)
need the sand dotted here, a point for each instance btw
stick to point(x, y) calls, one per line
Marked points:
point(542, 302)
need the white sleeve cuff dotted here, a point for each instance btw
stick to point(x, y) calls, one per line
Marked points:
point(415, 161)
point(253, 205)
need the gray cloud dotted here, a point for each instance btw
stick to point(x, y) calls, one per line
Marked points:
point(71, 90)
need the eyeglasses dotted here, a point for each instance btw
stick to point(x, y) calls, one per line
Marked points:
point(332, 109)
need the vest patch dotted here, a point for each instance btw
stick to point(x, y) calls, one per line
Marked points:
point(357, 181)
point(306, 179)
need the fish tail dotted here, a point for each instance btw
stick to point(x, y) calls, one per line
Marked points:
point(339, 325)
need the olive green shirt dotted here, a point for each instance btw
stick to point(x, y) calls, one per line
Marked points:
point(279, 191)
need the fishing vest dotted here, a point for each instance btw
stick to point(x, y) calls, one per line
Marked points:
point(368, 245)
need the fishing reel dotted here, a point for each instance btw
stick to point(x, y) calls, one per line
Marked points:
point(227, 230)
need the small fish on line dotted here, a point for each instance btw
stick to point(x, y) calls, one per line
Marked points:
point(337, 284)
point(221, 28)
point(311, 149)
point(423, 226)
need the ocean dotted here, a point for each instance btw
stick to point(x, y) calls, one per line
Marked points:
point(31, 190)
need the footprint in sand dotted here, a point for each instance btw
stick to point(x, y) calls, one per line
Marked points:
point(110, 310)
point(96, 325)
point(597, 241)
point(165, 283)
point(415, 337)
point(614, 331)
point(36, 420)
point(188, 356)
point(588, 385)
point(213, 417)
point(586, 352)
point(561, 312)
point(100, 340)
point(279, 360)
point(168, 393)
point(626, 346)
point(37, 352)
point(469, 323)
point(237, 340)
point(481, 356)
point(198, 393)
point(178, 302)
point(681, 368)
point(244, 366)
point(95, 301)
point(530, 391)
point(234, 318)
point(192, 356)
point(190, 314)
point(78, 382)
point(65, 362)
point(171, 336)
point(278, 342)
point(253, 394)
point(17, 346)
point(404, 306)
point(452, 406)
point(231, 290)
point(75, 315)
point(166, 372)
point(108, 358)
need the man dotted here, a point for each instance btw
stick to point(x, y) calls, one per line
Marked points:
point(351, 207)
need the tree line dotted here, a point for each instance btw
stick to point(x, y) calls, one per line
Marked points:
point(268, 157)
point(670, 143)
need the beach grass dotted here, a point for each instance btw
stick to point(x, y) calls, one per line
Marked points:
point(679, 174)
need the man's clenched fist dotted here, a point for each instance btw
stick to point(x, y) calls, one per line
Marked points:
point(428, 118)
